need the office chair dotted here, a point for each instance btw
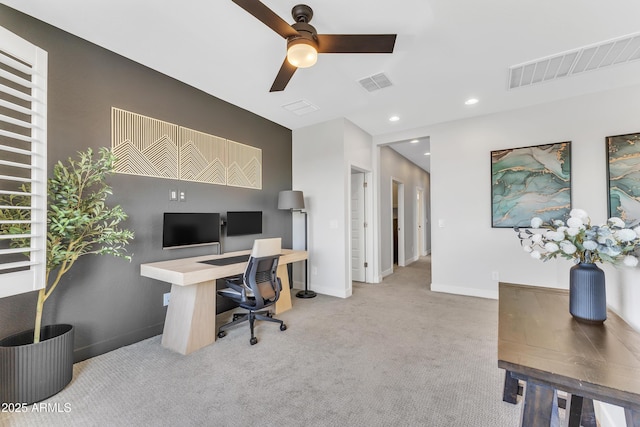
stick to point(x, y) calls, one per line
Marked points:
point(259, 287)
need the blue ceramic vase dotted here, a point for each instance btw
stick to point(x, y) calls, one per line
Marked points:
point(587, 293)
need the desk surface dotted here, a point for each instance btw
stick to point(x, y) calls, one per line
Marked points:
point(190, 271)
point(538, 338)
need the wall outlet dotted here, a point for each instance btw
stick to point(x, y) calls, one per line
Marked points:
point(314, 271)
point(495, 275)
point(165, 299)
point(183, 196)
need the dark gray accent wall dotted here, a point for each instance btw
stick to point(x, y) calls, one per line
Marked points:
point(105, 298)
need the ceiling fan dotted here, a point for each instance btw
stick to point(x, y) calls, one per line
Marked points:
point(304, 43)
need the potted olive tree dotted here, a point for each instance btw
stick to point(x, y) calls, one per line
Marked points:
point(37, 364)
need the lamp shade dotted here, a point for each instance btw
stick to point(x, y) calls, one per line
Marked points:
point(301, 53)
point(291, 200)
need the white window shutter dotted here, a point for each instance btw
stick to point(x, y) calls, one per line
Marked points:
point(23, 160)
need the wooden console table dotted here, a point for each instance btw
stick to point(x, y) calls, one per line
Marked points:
point(540, 343)
point(190, 323)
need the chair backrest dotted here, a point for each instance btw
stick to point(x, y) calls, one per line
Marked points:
point(261, 272)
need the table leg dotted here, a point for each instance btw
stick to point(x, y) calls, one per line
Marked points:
point(510, 392)
point(190, 323)
point(633, 417)
point(284, 301)
point(540, 407)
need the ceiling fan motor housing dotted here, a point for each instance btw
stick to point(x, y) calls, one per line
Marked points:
point(306, 34)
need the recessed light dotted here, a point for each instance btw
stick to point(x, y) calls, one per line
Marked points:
point(427, 154)
point(394, 118)
point(415, 141)
point(471, 101)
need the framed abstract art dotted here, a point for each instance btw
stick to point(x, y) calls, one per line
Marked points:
point(623, 171)
point(528, 182)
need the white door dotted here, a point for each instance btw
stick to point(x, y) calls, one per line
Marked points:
point(358, 252)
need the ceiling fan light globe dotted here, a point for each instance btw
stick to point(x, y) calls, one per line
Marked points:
point(302, 55)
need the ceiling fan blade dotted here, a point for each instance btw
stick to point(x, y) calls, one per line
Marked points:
point(283, 77)
point(268, 17)
point(356, 43)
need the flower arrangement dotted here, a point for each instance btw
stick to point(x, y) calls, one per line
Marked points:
point(582, 242)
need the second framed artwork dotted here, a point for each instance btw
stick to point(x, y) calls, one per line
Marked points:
point(530, 182)
point(623, 171)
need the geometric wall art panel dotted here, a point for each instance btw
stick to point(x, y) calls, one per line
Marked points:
point(144, 146)
point(244, 167)
point(150, 147)
point(202, 157)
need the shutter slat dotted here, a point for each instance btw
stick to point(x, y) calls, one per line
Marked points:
point(15, 251)
point(15, 64)
point(15, 164)
point(16, 122)
point(12, 265)
point(15, 236)
point(15, 178)
point(16, 136)
point(16, 79)
point(16, 93)
point(15, 150)
point(16, 107)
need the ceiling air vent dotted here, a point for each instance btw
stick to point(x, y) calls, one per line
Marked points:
point(301, 107)
point(375, 82)
point(587, 58)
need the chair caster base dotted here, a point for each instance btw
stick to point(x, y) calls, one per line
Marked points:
point(283, 327)
point(222, 334)
point(253, 341)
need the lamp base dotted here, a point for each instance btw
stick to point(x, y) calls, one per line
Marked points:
point(306, 294)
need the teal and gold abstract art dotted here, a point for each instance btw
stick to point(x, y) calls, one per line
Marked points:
point(624, 176)
point(530, 182)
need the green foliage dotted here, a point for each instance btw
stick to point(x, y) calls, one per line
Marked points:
point(78, 220)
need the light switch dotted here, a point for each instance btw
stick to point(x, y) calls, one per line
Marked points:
point(173, 195)
point(441, 223)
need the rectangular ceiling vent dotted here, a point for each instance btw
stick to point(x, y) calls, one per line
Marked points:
point(587, 58)
point(301, 107)
point(375, 82)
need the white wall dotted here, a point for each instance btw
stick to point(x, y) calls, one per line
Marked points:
point(461, 193)
point(466, 250)
point(394, 166)
point(323, 155)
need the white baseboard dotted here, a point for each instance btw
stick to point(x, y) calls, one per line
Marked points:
point(459, 290)
point(411, 260)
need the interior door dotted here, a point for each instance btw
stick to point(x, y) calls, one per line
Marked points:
point(358, 252)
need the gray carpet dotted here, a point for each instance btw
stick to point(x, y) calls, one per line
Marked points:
point(394, 354)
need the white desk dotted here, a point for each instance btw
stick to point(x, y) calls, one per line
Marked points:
point(190, 323)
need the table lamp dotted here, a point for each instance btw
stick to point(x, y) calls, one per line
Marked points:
point(294, 201)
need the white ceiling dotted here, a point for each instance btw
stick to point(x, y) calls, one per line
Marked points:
point(446, 52)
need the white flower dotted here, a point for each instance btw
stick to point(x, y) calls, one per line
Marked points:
point(562, 229)
point(637, 230)
point(568, 247)
point(527, 248)
point(630, 261)
point(536, 255)
point(536, 222)
point(573, 231)
point(558, 223)
point(625, 235)
point(579, 213)
point(551, 247)
point(536, 238)
point(555, 235)
point(575, 222)
point(590, 245)
point(616, 222)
